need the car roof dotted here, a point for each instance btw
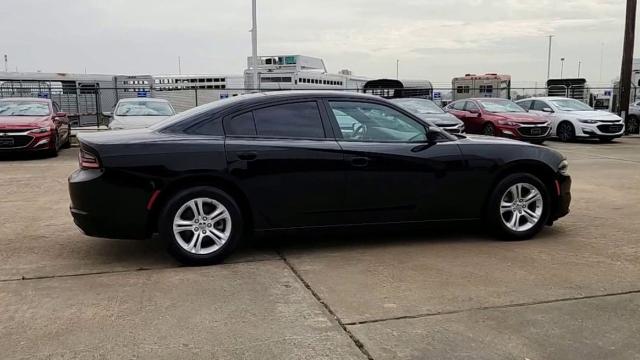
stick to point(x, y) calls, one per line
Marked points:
point(31, 99)
point(546, 98)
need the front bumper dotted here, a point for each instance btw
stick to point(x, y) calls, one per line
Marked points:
point(600, 129)
point(16, 141)
point(525, 132)
point(563, 197)
point(103, 206)
point(457, 129)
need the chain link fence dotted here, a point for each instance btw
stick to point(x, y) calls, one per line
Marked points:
point(86, 105)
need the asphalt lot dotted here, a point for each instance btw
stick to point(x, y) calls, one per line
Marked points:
point(571, 293)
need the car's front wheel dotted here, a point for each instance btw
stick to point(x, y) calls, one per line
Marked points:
point(201, 225)
point(489, 130)
point(566, 132)
point(519, 207)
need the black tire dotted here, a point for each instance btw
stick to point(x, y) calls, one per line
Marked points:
point(56, 146)
point(489, 130)
point(632, 125)
point(168, 214)
point(494, 214)
point(566, 132)
point(67, 142)
point(606, 139)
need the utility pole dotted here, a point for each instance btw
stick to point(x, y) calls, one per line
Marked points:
point(627, 58)
point(561, 67)
point(179, 65)
point(579, 65)
point(6, 63)
point(397, 69)
point(601, 60)
point(254, 44)
point(549, 58)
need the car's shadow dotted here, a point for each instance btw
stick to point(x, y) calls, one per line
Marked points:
point(376, 236)
point(24, 156)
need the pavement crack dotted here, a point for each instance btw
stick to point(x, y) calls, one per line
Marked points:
point(496, 307)
point(353, 338)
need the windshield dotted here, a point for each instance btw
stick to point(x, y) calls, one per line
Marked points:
point(570, 105)
point(501, 106)
point(419, 106)
point(144, 108)
point(23, 108)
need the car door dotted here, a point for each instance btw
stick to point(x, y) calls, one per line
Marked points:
point(393, 173)
point(282, 158)
point(472, 118)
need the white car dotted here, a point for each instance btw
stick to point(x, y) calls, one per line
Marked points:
point(138, 113)
point(572, 118)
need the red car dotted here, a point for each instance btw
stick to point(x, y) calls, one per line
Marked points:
point(33, 124)
point(500, 117)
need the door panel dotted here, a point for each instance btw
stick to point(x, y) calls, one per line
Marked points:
point(290, 182)
point(392, 174)
point(399, 182)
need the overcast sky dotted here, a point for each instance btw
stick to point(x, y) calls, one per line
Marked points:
point(433, 40)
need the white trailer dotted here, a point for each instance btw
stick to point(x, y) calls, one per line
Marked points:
point(487, 85)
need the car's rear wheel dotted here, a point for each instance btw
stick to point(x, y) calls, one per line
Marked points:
point(201, 225)
point(565, 131)
point(519, 207)
point(489, 130)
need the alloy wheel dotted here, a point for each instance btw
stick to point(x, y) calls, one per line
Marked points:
point(488, 130)
point(565, 132)
point(202, 226)
point(521, 207)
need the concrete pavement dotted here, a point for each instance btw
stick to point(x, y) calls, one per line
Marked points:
point(452, 292)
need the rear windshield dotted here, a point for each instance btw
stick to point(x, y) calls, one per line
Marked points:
point(23, 108)
point(185, 115)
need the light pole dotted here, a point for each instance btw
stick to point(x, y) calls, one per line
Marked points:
point(561, 67)
point(579, 65)
point(397, 69)
point(549, 58)
point(254, 44)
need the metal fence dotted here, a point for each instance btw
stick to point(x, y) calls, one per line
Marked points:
point(86, 105)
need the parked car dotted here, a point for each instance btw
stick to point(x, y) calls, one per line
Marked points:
point(138, 113)
point(633, 120)
point(571, 118)
point(33, 124)
point(428, 110)
point(500, 117)
point(208, 176)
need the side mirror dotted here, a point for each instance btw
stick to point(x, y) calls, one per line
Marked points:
point(433, 136)
point(61, 114)
point(107, 114)
point(547, 110)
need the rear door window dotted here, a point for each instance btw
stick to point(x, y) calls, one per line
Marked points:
point(294, 120)
point(242, 124)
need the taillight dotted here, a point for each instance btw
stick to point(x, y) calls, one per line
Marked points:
point(88, 160)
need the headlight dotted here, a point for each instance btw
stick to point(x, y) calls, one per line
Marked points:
point(588, 121)
point(41, 130)
point(563, 168)
point(508, 122)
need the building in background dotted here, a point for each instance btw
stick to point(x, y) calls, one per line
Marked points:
point(282, 72)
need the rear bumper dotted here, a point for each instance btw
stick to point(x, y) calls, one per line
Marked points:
point(104, 207)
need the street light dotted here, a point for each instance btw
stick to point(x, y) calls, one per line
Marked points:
point(561, 67)
point(397, 68)
point(579, 65)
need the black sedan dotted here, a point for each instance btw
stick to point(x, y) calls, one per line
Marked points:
point(205, 178)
